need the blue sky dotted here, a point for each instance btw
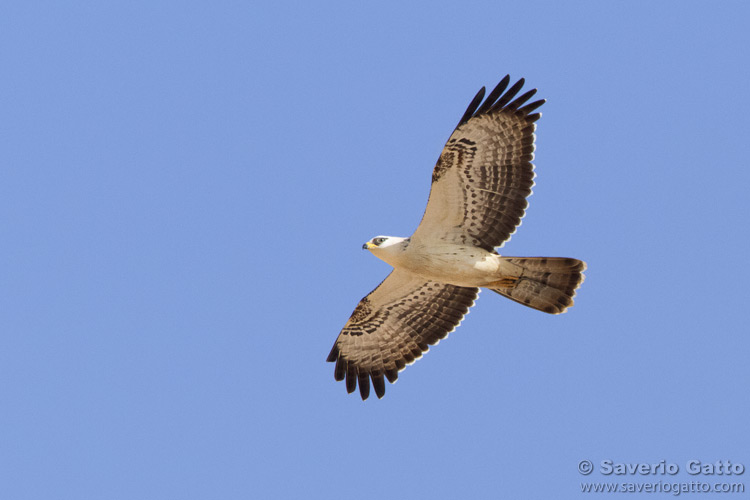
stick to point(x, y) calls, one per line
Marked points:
point(185, 188)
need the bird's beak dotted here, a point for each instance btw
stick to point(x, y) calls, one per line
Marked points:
point(367, 246)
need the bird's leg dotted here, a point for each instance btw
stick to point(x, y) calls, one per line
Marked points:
point(506, 282)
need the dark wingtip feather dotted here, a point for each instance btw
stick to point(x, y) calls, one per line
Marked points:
point(534, 117)
point(521, 100)
point(340, 371)
point(351, 380)
point(496, 92)
point(378, 384)
point(364, 385)
point(391, 375)
point(497, 101)
point(531, 107)
point(472, 107)
point(510, 94)
point(334, 354)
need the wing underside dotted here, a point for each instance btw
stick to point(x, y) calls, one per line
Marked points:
point(484, 174)
point(393, 326)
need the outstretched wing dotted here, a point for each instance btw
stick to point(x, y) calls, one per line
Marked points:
point(484, 174)
point(393, 326)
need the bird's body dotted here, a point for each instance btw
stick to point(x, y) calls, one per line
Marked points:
point(478, 197)
point(445, 262)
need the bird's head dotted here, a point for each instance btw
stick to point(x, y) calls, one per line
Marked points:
point(386, 247)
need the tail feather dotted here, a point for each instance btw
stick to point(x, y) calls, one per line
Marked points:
point(547, 284)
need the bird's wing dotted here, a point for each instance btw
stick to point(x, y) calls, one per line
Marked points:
point(393, 326)
point(484, 173)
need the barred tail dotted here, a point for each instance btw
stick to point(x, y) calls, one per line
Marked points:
point(547, 284)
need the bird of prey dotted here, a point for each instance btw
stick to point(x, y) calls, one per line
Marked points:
point(478, 197)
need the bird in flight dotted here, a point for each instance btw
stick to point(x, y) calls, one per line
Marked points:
point(478, 197)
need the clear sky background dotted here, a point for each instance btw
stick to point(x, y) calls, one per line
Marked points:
point(185, 188)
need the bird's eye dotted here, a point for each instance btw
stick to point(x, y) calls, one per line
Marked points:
point(378, 241)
